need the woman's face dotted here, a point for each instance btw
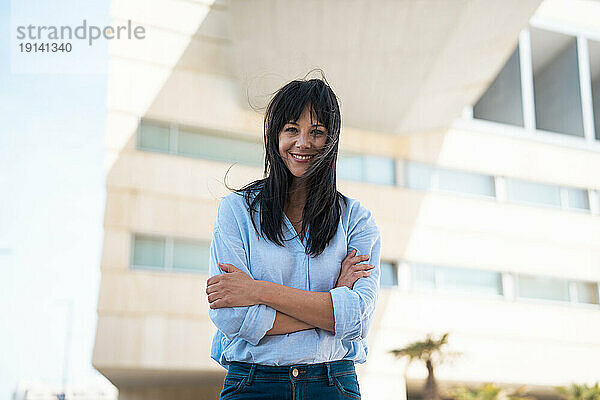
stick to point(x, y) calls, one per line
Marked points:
point(300, 141)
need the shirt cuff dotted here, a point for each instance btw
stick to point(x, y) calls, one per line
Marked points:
point(346, 312)
point(259, 319)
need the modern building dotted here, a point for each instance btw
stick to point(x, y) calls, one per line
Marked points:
point(471, 129)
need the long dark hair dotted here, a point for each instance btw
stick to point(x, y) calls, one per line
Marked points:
point(322, 209)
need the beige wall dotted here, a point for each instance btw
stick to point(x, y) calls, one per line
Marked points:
point(153, 335)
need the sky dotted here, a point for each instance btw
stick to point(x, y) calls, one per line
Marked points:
point(52, 196)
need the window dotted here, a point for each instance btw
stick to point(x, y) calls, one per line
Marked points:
point(461, 280)
point(157, 136)
point(388, 276)
point(148, 252)
point(366, 168)
point(546, 288)
point(169, 254)
point(419, 176)
point(379, 170)
point(464, 182)
point(470, 280)
point(594, 50)
point(423, 276)
point(423, 176)
point(534, 193)
point(521, 191)
point(219, 148)
point(502, 101)
point(349, 167)
point(586, 292)
point(557, 93)
point(538, 287)
point(154, 136)
point(576, 199)
point(189, 255)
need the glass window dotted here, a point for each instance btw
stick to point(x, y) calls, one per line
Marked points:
point(594, 51)
point(154, 136)
point(577, 198)
point(148, 252)
point(502, 101)
point(388, 274)
point(557, 89)
point(536, 287)
point(190, 255)
point(170, 254)
point(587, 292)
point(419, 175)
point(350, 167)
point(469, 280)
point(462, 280)
point(531, 192)
point(423, 276)
point(366, 168)
point(219, 148)
point(465, 182)
point(379, 170)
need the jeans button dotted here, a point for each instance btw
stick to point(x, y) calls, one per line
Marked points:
point(295, 372)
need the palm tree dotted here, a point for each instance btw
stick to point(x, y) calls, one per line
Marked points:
point(430, 352)
point(580, 392)
point(488, 391)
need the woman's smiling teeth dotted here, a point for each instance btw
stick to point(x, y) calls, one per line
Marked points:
point(301, 158)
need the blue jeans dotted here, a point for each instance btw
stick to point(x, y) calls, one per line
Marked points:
point(329, 380)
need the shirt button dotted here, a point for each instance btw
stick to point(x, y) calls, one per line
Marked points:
point(295, 372)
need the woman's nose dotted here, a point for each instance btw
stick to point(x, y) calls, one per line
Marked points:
point(303, 140)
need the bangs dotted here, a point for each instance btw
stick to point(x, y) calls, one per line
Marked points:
point(298, 94)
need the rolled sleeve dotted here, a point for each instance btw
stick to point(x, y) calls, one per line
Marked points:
point(250, 323)
point(354, 308)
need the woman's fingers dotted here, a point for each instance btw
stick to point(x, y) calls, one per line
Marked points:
point(359, 258)
point(351, 254)
point(359, 267)
point(212, 297)
point(352, 258)
point(211, 288)
point(217, 304)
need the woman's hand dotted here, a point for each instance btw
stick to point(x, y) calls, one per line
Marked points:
point(351, 270)
point(234, 288)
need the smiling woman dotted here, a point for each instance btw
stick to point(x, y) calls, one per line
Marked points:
point(288, 291)
point(299, 142)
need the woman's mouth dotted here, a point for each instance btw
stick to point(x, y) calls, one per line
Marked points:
point(302, 158)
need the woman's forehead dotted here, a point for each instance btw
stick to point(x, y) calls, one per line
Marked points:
point(314, 116)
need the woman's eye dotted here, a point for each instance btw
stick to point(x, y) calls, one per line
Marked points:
point(318, 132)
point(291, 129)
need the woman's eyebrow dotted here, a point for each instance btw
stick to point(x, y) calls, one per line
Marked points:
point(316, 125)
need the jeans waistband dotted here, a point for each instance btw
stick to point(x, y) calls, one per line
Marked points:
point(293, 372)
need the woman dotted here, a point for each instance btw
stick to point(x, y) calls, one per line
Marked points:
point(288, 292)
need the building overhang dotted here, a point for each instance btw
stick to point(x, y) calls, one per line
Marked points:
point(397, 66)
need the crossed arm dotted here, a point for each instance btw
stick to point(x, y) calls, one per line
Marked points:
point(286, 324)
point(296, 309)
point(250, 309)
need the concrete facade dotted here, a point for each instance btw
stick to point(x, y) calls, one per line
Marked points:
point(153, 336)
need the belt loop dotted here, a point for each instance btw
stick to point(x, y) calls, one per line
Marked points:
point(250, 374)
point(329, 374)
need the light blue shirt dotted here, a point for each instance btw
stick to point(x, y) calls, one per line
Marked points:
point(241, 330)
